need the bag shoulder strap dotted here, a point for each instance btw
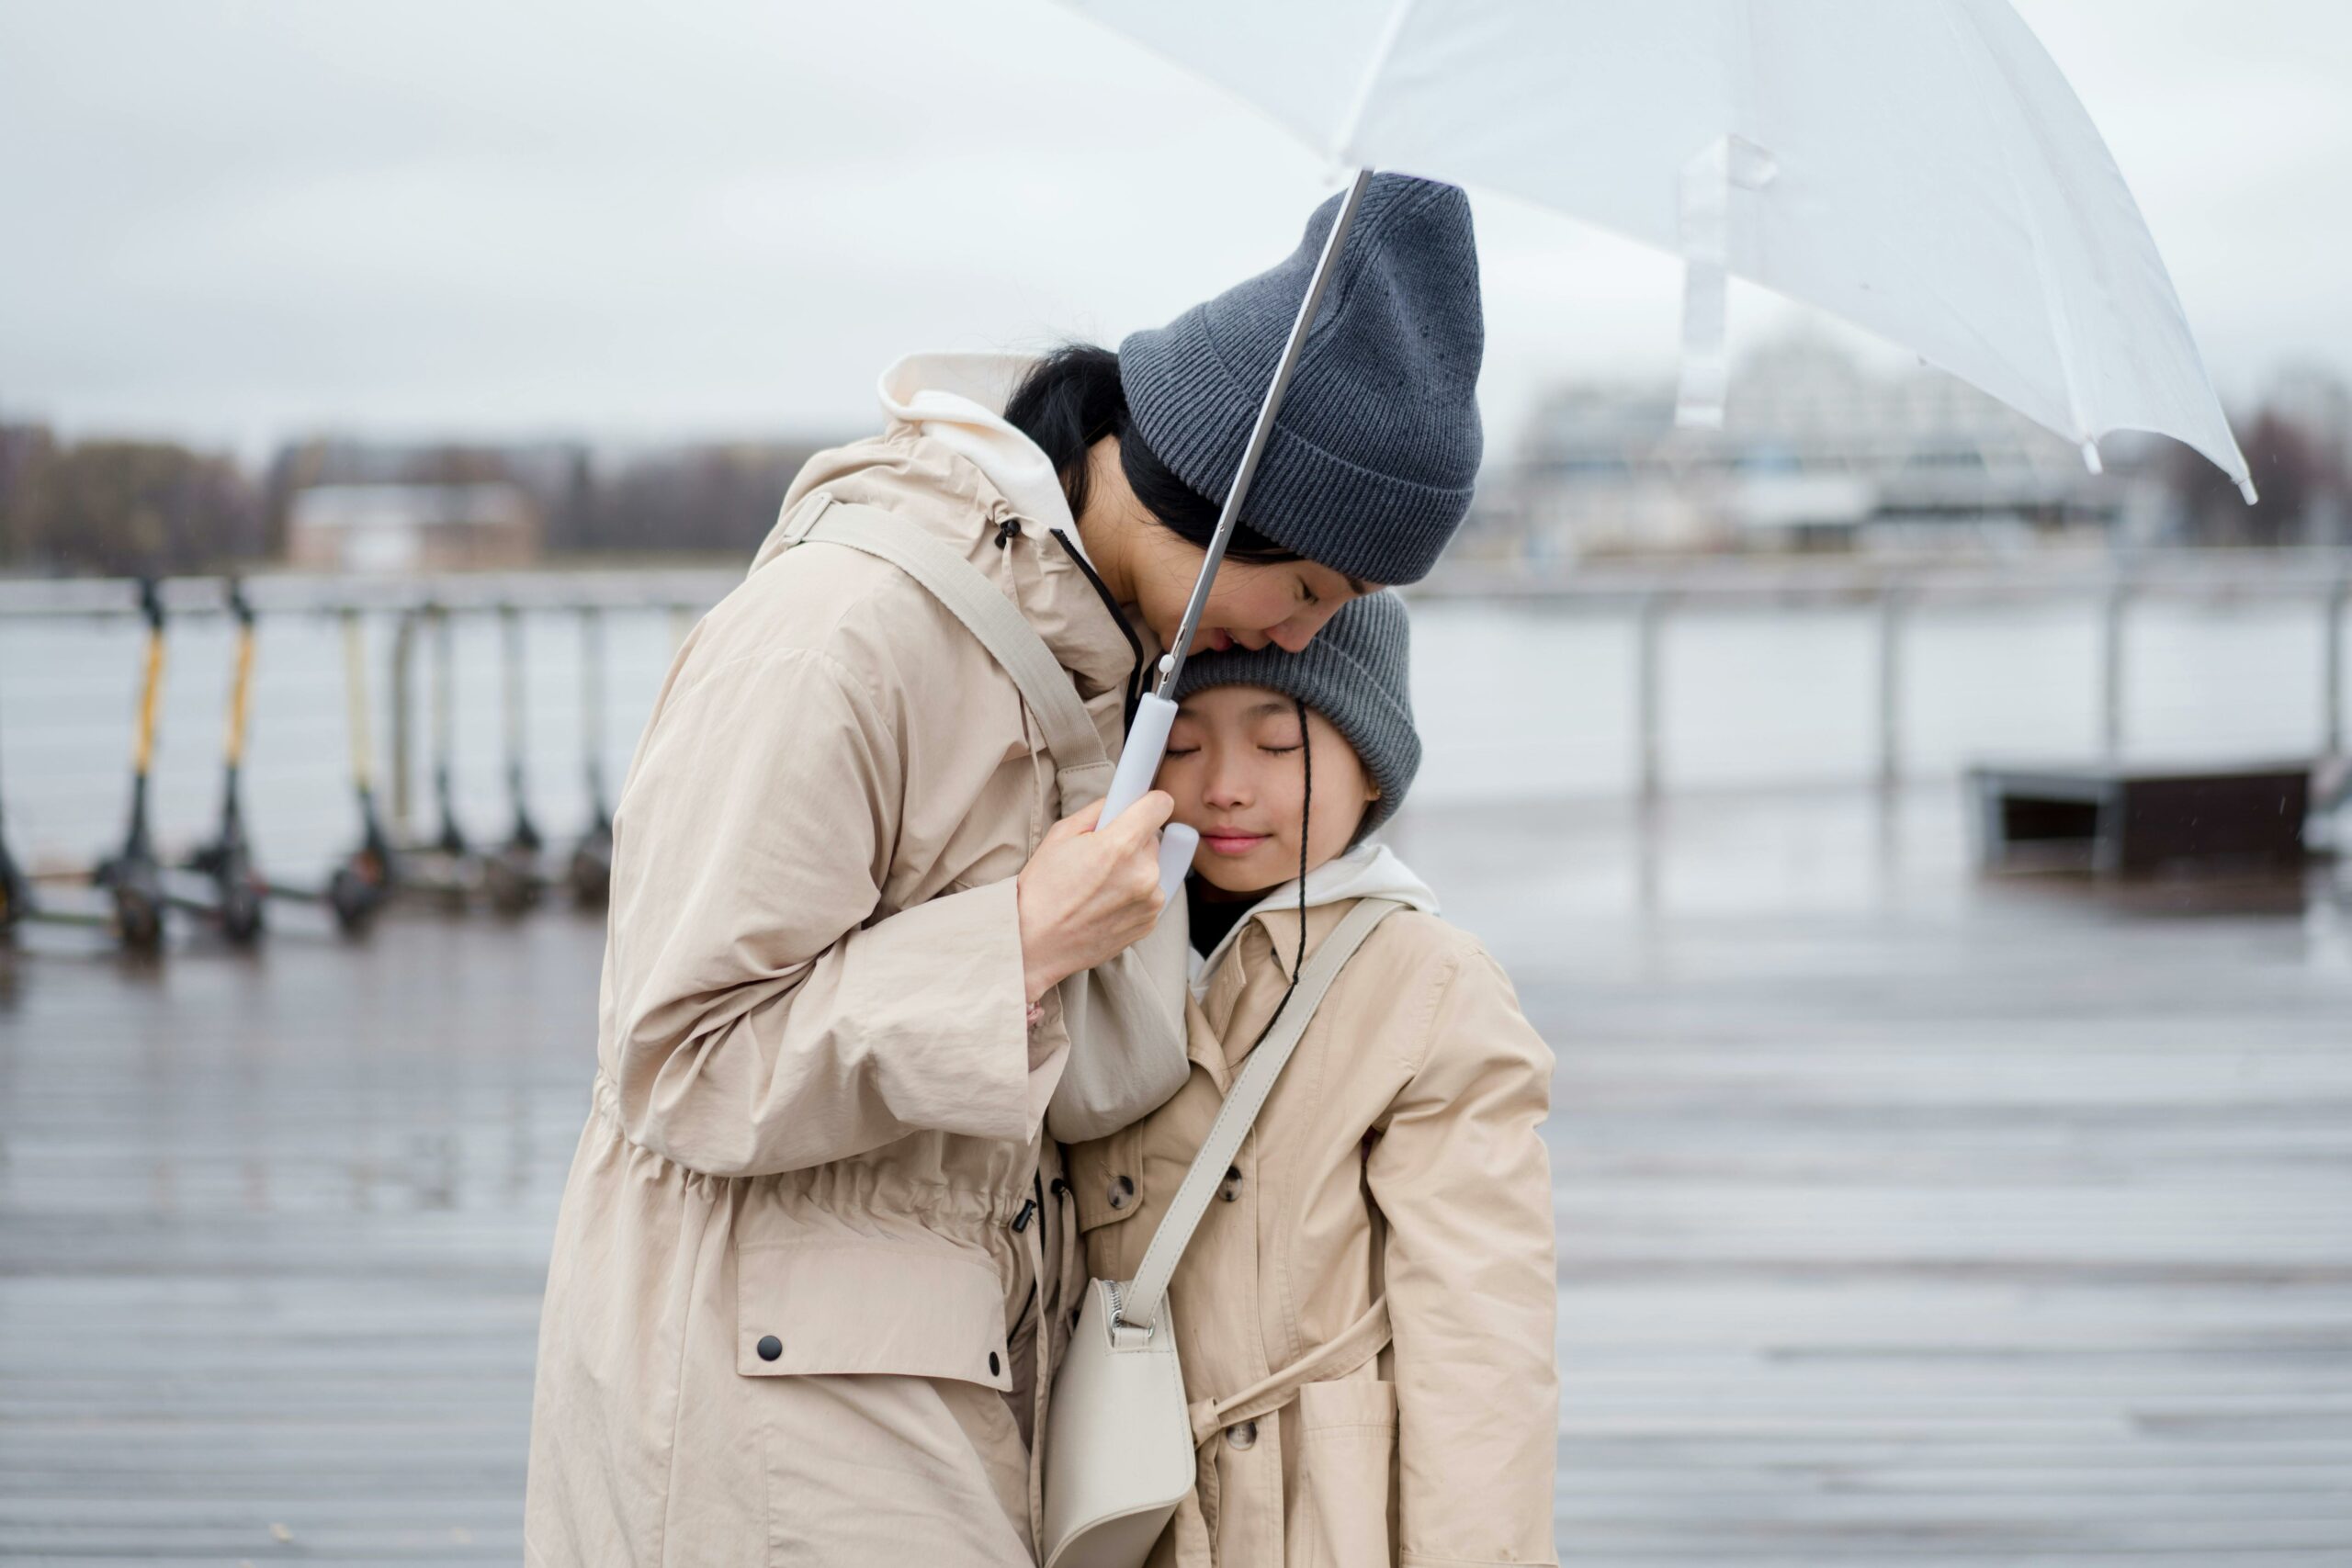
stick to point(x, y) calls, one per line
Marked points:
point(968, 594)
point(1139, 1303)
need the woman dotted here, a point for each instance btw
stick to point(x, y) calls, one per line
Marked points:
point(814, 1250)
point(1366, 1321)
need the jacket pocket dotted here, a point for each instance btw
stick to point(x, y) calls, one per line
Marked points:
point(1345, 1436)
point(852, 1305)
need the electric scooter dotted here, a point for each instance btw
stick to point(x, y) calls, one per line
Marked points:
point(512, 872)
point(442, 867)
point(368, 874)
point(227, 860)
point(591, 871)
point(132, 877)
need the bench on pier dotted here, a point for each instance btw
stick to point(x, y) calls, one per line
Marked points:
point(2116, 818)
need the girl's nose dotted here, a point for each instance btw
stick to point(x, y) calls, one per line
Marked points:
point(1229, 787)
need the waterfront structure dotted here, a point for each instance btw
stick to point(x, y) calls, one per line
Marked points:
point(1816, 451)
point(369, 528)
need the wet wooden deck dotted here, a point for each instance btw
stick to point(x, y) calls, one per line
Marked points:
point(1904, 1218)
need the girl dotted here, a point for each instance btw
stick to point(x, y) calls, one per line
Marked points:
point(1396, 1159)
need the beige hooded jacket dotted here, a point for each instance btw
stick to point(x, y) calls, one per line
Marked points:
point(1398, 1155)
point(814, 1246)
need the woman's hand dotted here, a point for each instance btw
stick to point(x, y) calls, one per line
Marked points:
point(1087, 896)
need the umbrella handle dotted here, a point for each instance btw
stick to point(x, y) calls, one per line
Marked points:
point(1139, 762)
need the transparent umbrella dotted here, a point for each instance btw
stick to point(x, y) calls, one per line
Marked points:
point(1919, 168)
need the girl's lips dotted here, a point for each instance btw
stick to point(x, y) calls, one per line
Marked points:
point(1219, 640)
point(1232, 843)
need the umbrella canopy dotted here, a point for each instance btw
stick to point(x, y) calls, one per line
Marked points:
point(1920, 169)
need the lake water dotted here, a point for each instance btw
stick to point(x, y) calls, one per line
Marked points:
point(1515, 700)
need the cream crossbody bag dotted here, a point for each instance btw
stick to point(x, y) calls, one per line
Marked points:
point(1119, 1444)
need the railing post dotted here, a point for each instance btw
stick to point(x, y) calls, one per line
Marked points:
point(2111, 684)
point(1649, 629)
point(1890, 687)
point(2332, 681)
point(403, 719)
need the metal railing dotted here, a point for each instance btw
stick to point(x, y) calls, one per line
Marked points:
point(1653, 595)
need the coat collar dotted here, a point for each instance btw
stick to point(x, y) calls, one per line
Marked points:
point(1239, 1001)
point(922, 480)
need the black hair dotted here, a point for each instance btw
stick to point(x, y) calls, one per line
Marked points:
point(1305, 827)
point(1071, 398)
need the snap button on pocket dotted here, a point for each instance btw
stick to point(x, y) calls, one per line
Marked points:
point(1242, 1436)
point(770, 1348)
point(1122, 1189)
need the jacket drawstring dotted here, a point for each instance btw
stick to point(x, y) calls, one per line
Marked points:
point(1030, 1223)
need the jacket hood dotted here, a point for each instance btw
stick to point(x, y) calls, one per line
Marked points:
point(1368, 870)
point(958, 399)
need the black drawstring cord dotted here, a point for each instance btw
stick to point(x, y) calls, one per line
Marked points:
point(1306, 820)
point(1103, 591)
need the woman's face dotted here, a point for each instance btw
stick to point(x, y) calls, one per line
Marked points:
point(1251, 605)
point(1235, 767)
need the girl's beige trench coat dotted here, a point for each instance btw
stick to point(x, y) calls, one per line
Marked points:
point(789, 1316)
point(1397, 1154)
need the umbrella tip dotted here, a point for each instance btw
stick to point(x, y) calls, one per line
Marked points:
point(2245, 489)
point(2090, 457)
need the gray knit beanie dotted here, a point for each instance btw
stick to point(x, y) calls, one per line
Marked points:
point(1374, 452)
point(1354, 673)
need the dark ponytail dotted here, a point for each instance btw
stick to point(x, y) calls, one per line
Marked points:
point(1072, 399)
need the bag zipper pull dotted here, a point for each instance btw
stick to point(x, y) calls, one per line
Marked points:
point(1028, 1208)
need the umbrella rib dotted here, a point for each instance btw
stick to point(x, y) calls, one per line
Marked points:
point(1344, 149)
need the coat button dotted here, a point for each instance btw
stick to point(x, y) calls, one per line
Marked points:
point(994, 1365)
point(1231, 1190)
point(1242, 1436)
point(1122, 1189)
point(770, 1348)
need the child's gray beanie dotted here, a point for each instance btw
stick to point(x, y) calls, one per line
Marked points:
point(1370, 466)
point(1357, 674)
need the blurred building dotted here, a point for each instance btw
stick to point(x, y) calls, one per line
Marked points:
point(674, 499)
point(412, 528)
point(1815, 451)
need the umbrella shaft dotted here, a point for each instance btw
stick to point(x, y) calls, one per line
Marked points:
point(1172, 664)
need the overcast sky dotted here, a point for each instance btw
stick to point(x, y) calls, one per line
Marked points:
point(234, 222)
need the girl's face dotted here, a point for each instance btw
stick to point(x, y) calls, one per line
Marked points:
point(1235, 767)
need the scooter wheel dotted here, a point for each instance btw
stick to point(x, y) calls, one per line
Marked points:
point(138, 918)
point(513, 886)
point(241, 917)
point(591, 876)
point(353, 897)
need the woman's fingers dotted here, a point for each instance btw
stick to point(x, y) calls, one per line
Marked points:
point(1087, 895)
